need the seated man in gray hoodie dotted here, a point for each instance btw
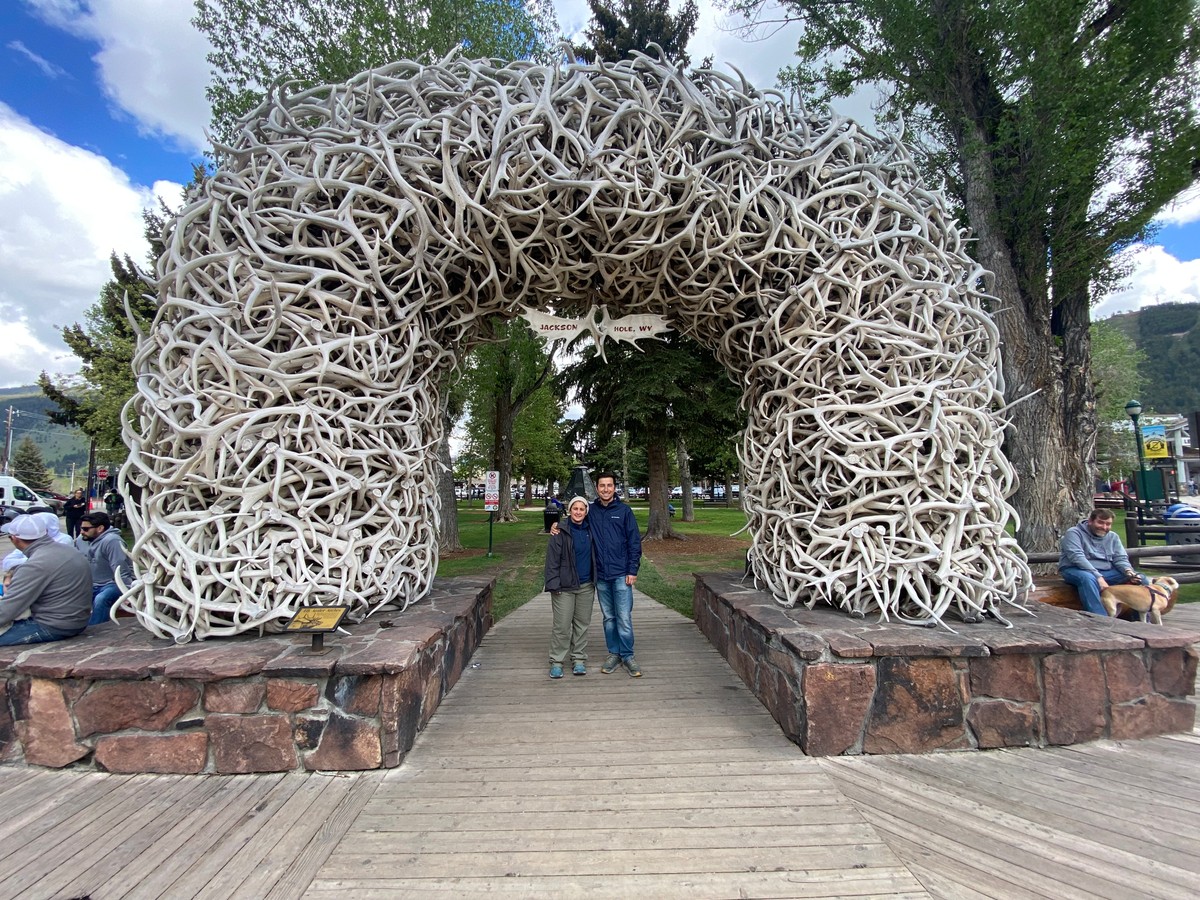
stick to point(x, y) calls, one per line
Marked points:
point(1091, 557)
point(54, 586)
point(101, 543)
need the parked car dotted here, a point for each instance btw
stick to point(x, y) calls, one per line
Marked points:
point(53, 499)
point(8, 513)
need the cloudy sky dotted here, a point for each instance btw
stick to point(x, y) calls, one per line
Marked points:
point(102, 108)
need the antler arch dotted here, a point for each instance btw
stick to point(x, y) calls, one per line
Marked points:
point(331, 271)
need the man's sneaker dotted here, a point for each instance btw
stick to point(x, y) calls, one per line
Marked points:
point(635, 671)
point(556, 671)
point(579, 669)
point(610, 664)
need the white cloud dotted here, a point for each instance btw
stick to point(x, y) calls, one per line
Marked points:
point(151, 61)
point(63, 211)
point(1157, 277)
point(1184, 210)
point(48, 68)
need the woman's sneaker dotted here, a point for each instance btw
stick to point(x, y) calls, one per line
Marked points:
point(635, 671)
point(610, 664)
point(556, 671)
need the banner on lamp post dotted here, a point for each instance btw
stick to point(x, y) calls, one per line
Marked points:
point(1154, 441)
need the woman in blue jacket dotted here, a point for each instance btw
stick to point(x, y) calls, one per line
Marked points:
point(570, 576)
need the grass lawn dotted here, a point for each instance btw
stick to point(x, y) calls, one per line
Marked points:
point(519, 555)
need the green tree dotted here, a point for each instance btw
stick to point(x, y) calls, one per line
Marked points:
point(621, 26)
point(1116, 371)
point(28, 465)
point(104, 344)
point(672, 390)
point(259, 43)
point(501, 378)
point(1061, 127)
point(539, 454)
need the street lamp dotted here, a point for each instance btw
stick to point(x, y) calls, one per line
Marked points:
point(1134, 408)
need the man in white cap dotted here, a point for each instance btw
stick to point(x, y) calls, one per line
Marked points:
point(54, 586)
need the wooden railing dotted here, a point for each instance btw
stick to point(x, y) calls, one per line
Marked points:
point(1184, 573)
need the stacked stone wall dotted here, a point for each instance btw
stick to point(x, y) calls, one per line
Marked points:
point(119, 700)
point(839, 686)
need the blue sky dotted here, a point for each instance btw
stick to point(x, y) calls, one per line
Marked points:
point(102, 110)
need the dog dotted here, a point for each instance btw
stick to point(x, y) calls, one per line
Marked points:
point(1150, 601)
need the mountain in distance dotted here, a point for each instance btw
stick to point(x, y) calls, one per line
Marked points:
point(1169, 336)
point(61, 446)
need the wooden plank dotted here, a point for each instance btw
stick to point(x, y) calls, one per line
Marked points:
point(400, 804)
point(307, 861)
point(894, 882)
point(139, 821)
point(499, 864)
point(46, 802)
point(1066, 857)
point(385, 822)
point(58, 848)
point(1094, 817)
point(270, 850)
point(221, 845)
point(583, 836)
point(155, 871)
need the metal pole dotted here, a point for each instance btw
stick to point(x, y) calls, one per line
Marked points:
point(1141, 480)
point(491, 516)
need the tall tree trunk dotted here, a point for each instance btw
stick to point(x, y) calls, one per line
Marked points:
point(659, 473)
point(502, 454)
point(1041, 446)
point(685, 481)
point(729, 490)
point(448, 539)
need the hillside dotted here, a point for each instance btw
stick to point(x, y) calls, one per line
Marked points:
point(1169, 335)
point(60, 446)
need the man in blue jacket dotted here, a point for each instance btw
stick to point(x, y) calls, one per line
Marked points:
point(1091, 557)
point(618, 556)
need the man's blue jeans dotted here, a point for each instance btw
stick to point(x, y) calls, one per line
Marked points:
point(103, 598)
point(616, 603)
point(1089, 587)
point(27, 631)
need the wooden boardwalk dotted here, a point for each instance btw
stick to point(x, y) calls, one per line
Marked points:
point(677, 784)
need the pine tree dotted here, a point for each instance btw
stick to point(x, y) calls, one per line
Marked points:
point(621, 26)
point(28, 465)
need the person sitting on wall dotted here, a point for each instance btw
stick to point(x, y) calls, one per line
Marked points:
point(1091, 557)
point(105, 550)
point(53, 586)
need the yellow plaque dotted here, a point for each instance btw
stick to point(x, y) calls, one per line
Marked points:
point(317, 618)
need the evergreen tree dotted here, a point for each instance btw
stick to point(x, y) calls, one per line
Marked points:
point(28, 466)
point(619, 27)
point(1062, 127)
point(672, 390)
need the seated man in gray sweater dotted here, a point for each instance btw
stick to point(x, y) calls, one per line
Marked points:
point(54, 586)
point(1091, 557)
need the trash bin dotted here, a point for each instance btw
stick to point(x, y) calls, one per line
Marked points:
point(1180, 514)
point(549, 517)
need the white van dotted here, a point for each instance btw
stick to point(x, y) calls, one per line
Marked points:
point(14, 493)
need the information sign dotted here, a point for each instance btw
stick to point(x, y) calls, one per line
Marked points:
point(491, 491)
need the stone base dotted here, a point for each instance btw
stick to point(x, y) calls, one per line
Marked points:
point(838, 685)
point(117, 699)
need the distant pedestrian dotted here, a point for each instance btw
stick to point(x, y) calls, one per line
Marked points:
point(73, 511)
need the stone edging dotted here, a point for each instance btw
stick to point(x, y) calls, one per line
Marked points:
point(119, 700)
point(837, 685)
